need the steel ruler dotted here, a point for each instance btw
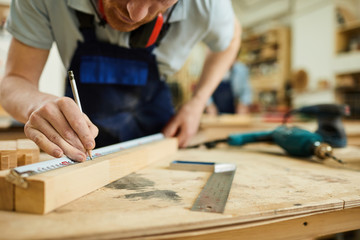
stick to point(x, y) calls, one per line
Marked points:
point(213, 197)
point(18, 174)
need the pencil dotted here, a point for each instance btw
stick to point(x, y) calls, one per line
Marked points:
point(76, 98)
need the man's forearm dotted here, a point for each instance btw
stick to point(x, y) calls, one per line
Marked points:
point(215, 67)
point(20, 98)
point(19, 93)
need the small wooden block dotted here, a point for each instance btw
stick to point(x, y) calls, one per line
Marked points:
point(8, 157)
point(6, 193)
point(25, 159)
point(4, 162)
point(27, 152)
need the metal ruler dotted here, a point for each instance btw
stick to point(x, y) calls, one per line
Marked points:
point(18, 174)
point(214, 195)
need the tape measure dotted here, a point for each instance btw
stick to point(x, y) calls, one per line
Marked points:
point(18, 174)
point(214, 195)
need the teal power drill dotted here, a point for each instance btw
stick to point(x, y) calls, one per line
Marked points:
point(300, 142)
point(295, 141)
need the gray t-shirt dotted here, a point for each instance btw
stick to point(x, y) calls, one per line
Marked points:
point(39, 23)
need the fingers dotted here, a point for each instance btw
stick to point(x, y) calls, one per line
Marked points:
point(49, 140)
point(177, 128)
point(171, 128)
point(184, 136)
point(77, 122)
point(55, 119)
point(93, 129)
point(185, 123)
point(42, 141)
point(59, 127)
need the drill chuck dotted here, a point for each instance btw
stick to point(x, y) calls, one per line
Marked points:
point(322, 150)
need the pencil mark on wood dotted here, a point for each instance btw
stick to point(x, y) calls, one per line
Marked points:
point(131, 182)
point(161, 194)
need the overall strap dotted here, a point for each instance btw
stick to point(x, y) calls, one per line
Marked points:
point(86, 25)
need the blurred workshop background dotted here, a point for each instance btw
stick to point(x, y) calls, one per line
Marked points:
point(298, 52)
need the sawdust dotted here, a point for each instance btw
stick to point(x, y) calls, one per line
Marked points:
point(131, 182)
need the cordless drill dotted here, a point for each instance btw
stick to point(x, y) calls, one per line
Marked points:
point(295, 141)
point(300, 142)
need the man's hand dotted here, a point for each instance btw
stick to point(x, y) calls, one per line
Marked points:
point(59, 127)
point(211, 110)
point(241, 109)
point(55, 124)
point(185, 123)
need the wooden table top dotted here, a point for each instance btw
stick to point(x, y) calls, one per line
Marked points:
point(156, 201)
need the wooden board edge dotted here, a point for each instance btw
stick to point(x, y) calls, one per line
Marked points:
point(48, 191)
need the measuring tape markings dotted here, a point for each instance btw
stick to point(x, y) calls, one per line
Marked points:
point(18, 174)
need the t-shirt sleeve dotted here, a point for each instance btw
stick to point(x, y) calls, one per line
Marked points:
point(221, 26)
point(29, 23)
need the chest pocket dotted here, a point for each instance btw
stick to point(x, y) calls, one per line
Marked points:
point(112, 70)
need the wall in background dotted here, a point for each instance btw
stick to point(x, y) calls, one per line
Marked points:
point(52, 79)
point(313, 28)
point(313, 41)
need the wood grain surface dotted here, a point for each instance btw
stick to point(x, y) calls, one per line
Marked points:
point(156, 201)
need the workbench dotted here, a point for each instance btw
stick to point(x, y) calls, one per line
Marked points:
point(273, 196)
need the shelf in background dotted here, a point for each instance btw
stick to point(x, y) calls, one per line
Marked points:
point(349, 27)
point(347, 63)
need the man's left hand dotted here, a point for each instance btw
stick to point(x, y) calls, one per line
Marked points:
point(185, 123)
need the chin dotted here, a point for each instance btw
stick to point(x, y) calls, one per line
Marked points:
point(123, 27)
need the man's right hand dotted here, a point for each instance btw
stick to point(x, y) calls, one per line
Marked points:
point(58, 127)
point(55, 124)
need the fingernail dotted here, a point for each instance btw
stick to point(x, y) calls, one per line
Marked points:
point(80, 158)
point(89, 145)
point(58, 153)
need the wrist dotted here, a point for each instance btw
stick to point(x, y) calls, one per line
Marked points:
point(200, 101)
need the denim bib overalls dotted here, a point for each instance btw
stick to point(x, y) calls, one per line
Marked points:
point(120, 88)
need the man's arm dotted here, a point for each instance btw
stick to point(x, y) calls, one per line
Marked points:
point(55, 124)
point(186, 122)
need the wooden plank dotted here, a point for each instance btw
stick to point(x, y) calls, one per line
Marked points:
point(6, 193)
point(225, 120)
point(53, 189)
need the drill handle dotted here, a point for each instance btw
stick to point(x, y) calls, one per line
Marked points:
point(244, 138)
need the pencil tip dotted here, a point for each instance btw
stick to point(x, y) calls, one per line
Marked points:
point(90, 155)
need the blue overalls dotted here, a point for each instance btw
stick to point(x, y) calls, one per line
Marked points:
point(120, 88)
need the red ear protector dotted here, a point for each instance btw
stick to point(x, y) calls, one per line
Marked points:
point(144, 36)
point(147, 35)
point(101, 10)
point(159, 20)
